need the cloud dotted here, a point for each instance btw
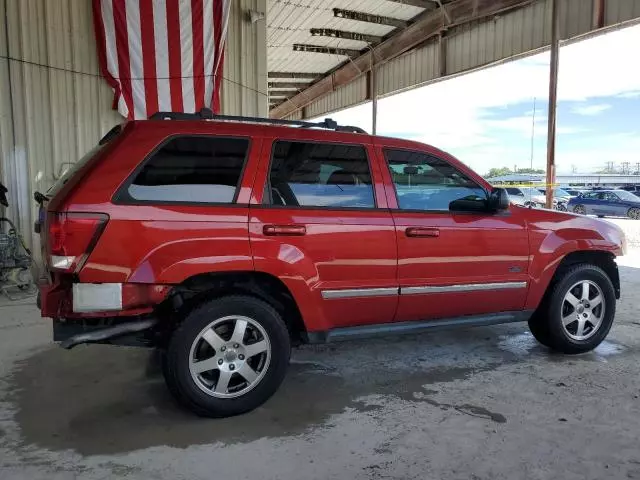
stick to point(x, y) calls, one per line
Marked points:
point(591, 110)
point(466, 114)
point(635, 94)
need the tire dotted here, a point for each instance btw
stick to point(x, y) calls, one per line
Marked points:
point(576, 333)
point(251, 368)
point(634, 213)
point(580, 210)
point(539, 329)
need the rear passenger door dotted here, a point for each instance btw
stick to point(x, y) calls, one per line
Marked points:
point(319, 221)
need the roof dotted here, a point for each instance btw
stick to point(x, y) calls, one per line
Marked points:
point(517, 177)
point(312, 23)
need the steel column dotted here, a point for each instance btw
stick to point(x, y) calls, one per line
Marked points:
point(553, 96)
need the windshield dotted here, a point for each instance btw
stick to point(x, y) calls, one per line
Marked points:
point(626, 196)
point(558, 192)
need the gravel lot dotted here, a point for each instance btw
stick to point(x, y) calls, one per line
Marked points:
point(482, 403)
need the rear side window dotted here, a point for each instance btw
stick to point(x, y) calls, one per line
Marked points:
point(193, 169)
point(329, 175)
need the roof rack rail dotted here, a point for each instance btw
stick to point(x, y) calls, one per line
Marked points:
point(207, 114)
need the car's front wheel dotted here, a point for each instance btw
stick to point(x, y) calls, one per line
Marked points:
point(580, 210)
point(577, 312)
point(228, 356)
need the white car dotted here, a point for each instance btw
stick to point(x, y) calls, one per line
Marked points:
point(527, 196)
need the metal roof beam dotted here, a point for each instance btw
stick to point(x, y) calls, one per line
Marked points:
point(286, 93)
point(369, 18)
point(426, 26)
point(426, 4)
point(347, 52)
point(294, 75)
point(296, 85)
point(330, 32)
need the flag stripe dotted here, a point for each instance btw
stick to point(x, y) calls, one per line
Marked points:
point(161, 54)
point(186, 55)
point(175, 64)
point(209, 52)
point(136, 65)
point(122, 51)
point(198, 52)
point(101, 43)
point(217, 35)
point(149, 56)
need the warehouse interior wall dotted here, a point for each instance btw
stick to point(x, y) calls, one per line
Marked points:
point(55, 106)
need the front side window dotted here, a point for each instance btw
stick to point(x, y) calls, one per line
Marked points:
point(425, 182)
point(194, 169)
point(305, 174)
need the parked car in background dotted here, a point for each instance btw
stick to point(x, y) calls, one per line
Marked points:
point(612, 203)
point(559, 193)
point(635, 189)
point(222, 243)
point(574, 192)
point(527, 196)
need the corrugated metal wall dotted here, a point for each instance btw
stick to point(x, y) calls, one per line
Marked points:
point(478, 44)
point(54, 106)
point(244, 87)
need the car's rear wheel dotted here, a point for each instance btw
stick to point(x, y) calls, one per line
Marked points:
point(580, 210)
point(228, 356)
point(577, 312)
point(634, 213)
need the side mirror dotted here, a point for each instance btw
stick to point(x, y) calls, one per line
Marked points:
point(410, 170)
point(498, 200)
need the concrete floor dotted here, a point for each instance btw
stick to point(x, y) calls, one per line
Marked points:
point(478, 403)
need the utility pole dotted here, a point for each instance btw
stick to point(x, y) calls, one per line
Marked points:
point(553, 95)
point(533, 130)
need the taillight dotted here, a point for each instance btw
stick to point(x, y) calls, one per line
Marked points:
point(71, 237)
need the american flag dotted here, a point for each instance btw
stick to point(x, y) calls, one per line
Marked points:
point(161, 55)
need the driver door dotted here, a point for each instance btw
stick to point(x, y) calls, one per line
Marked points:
point(451, 264)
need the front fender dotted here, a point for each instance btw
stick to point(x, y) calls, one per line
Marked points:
point(551, 242)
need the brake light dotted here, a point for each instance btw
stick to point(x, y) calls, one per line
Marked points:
point(71, 238)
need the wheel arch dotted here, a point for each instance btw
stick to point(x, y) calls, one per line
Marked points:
point(600, 258)
point(202, 287)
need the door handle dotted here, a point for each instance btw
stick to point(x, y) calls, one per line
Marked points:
point(284, 230)
point(422, 232)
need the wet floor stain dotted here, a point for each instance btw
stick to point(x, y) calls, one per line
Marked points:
point(102, 400)
point(467, 409)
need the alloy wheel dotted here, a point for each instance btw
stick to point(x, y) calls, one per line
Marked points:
point(582, 310)
point(634, 213)
point(230, 356)
point(580, 210)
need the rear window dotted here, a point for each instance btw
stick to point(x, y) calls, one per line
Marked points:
point(191, 169)
point(74, 167)
point(71, 171)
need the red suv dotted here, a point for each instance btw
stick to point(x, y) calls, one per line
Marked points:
point(222, 241)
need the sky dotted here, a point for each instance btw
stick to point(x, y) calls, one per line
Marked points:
point(485, 118)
